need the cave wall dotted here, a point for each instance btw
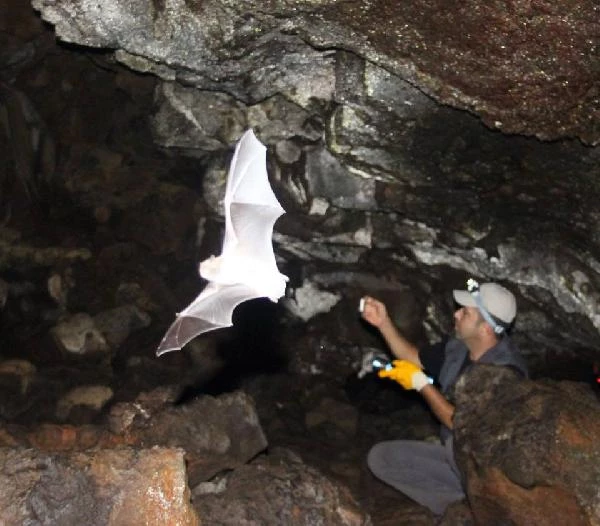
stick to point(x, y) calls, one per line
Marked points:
point(390, 186)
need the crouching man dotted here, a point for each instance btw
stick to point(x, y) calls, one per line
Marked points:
point(427, 472)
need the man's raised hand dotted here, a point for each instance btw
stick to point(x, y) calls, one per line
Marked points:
point(373, 311)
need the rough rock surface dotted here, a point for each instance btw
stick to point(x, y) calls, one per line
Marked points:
point(216, 433)
point(116, 487)
point(276, 489)
point(385, 189)
point(110, 190)
point(372, 170)
point(524, 67)
point(529, 449)
point(90, 397)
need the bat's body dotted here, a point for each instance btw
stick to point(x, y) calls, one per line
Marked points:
point(246, 267)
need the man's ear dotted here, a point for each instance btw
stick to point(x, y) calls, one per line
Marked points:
point(489, 330)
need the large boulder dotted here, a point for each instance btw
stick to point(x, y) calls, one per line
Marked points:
point(529, 450)
point(275, 489)
point(216, 433)
point(114, 487)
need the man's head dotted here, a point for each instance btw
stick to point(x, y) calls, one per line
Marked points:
point(489, 303)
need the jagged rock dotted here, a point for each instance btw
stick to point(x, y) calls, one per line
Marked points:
point(529, 450)
point(320, 250)
point(22, 255)
point(339, 414)
point(133, 293)
point(33, 150)
point(196, 121)
point(428, 188)
point(22, 370)
point(329, 179)
point(506, 78)
point(387, 191)
point(122, 414)
point(78, 335)
point(16, 380)
point(115, 487)
point(59, 284)
point(159, 398)
point(216, 433)
point(82, 334)
point(118, 323)
point(457, 514)
point(152, 213)
point(91, 397)
point(308, 301)
point(278, 489)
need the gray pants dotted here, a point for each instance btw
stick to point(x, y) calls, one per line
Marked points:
point(425, 472)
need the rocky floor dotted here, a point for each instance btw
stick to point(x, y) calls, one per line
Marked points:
point(329, 424)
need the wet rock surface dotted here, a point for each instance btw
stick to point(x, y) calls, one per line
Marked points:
point(114, 151)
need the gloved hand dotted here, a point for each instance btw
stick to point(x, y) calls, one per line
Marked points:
point(407, 374)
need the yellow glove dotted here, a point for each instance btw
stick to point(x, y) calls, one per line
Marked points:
point(407, 374)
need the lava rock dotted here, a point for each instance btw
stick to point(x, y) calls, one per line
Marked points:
point(529, 450)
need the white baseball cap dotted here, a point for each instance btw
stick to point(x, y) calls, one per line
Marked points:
point(496, 299)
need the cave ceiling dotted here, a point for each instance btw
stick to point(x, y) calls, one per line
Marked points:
point(427, 140)
point(523, 67)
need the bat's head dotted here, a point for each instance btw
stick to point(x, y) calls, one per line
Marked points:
point(210, 268)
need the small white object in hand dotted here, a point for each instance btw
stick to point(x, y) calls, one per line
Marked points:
point(361, 305)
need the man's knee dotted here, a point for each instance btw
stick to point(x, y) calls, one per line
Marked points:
point(379, 457)
point(373, 456)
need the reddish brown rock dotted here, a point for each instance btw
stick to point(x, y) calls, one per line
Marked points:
point(529, 450)
point(116, 487)
point(217, 433)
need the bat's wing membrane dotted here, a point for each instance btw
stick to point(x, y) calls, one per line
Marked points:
point(253, 226)
point(251, 207)
point(211, 310)
point(251, 210)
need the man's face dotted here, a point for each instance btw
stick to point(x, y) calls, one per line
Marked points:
point(467, 323)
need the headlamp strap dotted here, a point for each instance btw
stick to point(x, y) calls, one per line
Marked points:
point(473, 288)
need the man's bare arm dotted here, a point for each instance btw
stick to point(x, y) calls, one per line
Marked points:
point(375, 313)
point(440, 406)
point(401, 348)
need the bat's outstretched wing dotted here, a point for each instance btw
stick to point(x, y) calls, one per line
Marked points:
point(211, 310)
point(246, 267)
point(251, 207)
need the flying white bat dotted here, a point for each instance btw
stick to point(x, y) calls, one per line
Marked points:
point(246, 268)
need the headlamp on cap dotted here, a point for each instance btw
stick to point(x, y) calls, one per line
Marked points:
point(473, 288)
